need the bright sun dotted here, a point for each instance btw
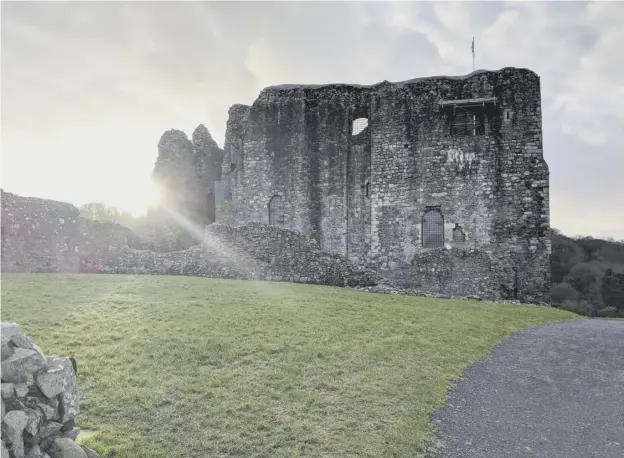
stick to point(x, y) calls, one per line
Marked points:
point(139, 199)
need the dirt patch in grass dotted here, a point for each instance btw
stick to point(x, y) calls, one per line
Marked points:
point(182, 367)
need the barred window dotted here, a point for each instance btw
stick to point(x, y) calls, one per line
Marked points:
point(458, 234)
point(433, 228)
point(276, 211)
point(468, 123)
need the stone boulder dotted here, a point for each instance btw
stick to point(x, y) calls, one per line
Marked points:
point(40, 401)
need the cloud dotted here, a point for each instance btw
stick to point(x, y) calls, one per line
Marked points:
point(89, 87)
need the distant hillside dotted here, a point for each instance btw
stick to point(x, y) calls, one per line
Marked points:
point(587, 275)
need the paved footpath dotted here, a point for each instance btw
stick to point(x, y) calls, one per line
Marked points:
point(554, 391)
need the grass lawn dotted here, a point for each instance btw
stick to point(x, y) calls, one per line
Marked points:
point(193, 367)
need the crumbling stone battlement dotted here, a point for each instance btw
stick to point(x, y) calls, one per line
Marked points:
point(40, 401)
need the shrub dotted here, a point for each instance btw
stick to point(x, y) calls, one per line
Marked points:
point(584, 308)
point(564, 292)
point(607, 312)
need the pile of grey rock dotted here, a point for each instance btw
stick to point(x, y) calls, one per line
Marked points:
point(39, 401)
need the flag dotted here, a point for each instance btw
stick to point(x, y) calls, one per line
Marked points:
point(473, 45)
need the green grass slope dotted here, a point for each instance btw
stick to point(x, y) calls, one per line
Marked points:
point(191, 367)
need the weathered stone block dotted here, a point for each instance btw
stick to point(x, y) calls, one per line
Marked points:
point(21, 390)
point(71, 433)
point(66, 448)
point(35, 419)
point(53, 380)
point(7, 390)
point(90, 453)
point(50, 412)
point(69, 399)
point(25, 342)
point(22, 363)
point(35, 452)
point(7, 350)
point(3, 450)
point(48, 429)
point(12, 428)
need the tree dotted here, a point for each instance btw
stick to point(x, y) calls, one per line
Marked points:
point(564, 292)
point(565, 254)
point(613, 289)
point(586, 279)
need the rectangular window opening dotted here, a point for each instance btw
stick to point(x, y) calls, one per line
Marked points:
point(467, 123)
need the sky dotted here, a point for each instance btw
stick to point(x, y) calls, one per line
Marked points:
point(88, 88)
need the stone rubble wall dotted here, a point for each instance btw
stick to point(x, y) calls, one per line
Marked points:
point(251, 252)
point(39, 235)
point(40, 401)
point(288, 255)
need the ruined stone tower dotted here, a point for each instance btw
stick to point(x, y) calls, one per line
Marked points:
point(438, 183)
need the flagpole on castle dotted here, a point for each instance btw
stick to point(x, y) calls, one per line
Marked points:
point(473, 55)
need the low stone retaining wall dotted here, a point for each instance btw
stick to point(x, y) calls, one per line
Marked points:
point(40, 401)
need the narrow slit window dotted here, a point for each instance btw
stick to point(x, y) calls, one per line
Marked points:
point(276, 211)
point(367, 189)
point(359, 125)
point(236, 154)
point(433, 228)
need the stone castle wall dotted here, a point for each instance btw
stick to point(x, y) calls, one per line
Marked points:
point(291, 161)
point(250, 252)
point(364, 196)
point(44, 241)
point(40, 401)
point(41, 235)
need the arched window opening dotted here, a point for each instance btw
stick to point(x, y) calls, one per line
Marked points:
point(276, 211)
point(458, 234)
point(359, 125)
point(433, 228)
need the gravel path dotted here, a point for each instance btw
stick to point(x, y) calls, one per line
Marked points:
point(555, 391)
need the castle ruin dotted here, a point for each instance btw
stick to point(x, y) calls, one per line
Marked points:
point(434, 185)
point(437, 183)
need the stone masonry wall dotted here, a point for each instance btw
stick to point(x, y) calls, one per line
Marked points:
point(297, 144)
point(254, 251)
point(40, 235)
point(250, 252)
point(40, 401)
